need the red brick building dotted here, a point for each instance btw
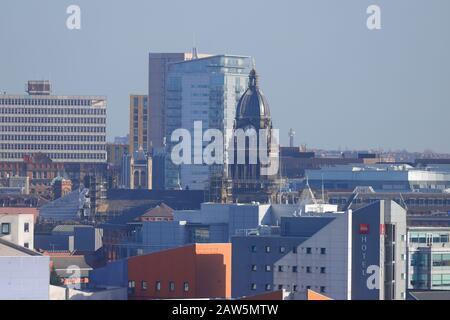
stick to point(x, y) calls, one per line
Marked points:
point(194, 271)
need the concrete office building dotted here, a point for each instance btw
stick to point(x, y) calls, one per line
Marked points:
point(158, 64)
point(24, 273)
point(138, 123)
point(68, 129)
point(206, 90)
point(428, 258)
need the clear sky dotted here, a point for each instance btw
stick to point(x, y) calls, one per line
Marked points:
point(324, 73)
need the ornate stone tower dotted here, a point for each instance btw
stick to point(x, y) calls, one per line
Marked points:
point(250, 181)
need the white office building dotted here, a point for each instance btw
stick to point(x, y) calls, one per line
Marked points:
point(69, 129)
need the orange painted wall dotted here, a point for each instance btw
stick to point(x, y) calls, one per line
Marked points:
point(206, 267)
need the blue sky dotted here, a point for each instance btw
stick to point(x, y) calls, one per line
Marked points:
point(324, 73)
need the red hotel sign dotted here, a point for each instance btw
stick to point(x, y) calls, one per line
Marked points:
point(364, 228)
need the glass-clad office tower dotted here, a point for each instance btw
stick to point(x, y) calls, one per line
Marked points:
point(207, 90)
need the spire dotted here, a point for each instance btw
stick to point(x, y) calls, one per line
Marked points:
point(253, 79)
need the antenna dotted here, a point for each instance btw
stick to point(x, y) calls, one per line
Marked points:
point(194, 48)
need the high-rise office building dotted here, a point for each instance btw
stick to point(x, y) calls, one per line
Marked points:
point(68, 129)
point(157, 73)
point(138, 122)
point(206, 90)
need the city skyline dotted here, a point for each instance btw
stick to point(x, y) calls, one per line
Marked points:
point(336, 83)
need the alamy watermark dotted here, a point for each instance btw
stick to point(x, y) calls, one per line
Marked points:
point(234, 147)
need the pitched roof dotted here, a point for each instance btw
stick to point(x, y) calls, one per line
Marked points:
point(8, 248)
point(160, 211)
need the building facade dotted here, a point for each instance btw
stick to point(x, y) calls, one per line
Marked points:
point(194, 271)
point(206, 91)
point(17, 225)
point(138, 123)
point(68, 129)
point(158, 64)
point(428, 258)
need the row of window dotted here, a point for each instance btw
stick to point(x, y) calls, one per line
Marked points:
point(411, 202)
point(268, 287)
point(53, 156)
point(281, 268)
point(51, 146)
point(44, 102)
point(54, 111)
point(157, 286)
point(282, 249)
point(64, 120)
point(7, 137)
point(56, 128)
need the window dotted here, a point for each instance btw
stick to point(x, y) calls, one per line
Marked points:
point(280, 269)
point(308, 269)
point(6, 228)
point(254, 267)
point(308, 287)
point(323, 250)
point(131, 286)
point(144, 285)
point(253, 286)
point(186, 286)
point(268, 287)
point(26, 245)
point(294, 250)
point(171, 286)
point(26, 227)
point(268, 268)
point(322, 289)
point(282, 249)
point(323, 270)
point(294, 288)
point(308, 250)
point(267, 249)
point(280, 287)
point(294, 269)
point(253, 248)
point(158, 286)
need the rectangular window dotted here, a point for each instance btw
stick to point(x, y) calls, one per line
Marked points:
point(26, 245)
point(254, 267)
point(144, 285)
point(294, 269)
point(253, 248)
point(323, 270)
point(171, 286)
point(268, 287)
point(323, 250)
point(253, 286)
point(186, 286)
point(267, 249)
point(308, 250)
point(6, 228)
point(308, 269)
point(322, 289)
point(294, 250)
point(268, 268)
point(158, 286)
point(280, 269)
point(282, 249)
point(26, 227)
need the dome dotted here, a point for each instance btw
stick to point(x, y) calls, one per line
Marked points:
point(253, 104)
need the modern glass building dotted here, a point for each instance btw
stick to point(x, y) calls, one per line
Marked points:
point(429, 258)
point(69, 129)
point(207, 90)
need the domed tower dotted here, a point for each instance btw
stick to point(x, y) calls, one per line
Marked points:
point(249, 182)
